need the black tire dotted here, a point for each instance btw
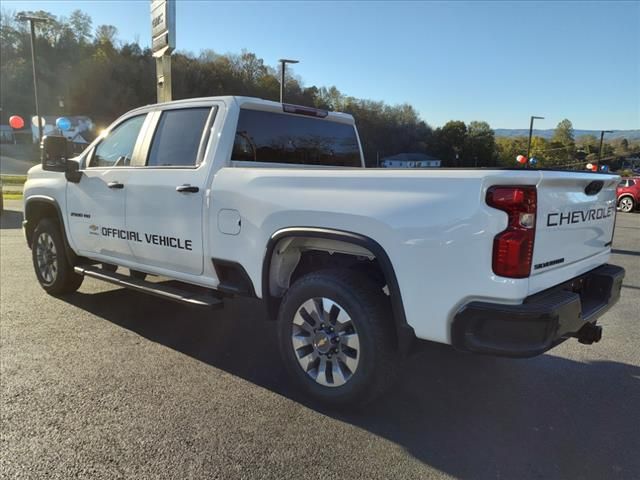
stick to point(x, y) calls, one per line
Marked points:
point(369, 311)
point(60, 278)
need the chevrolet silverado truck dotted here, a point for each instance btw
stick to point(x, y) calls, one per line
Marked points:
point(202, 199)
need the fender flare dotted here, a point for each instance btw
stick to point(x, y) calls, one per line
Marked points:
point(404, 331)
point(71, 255)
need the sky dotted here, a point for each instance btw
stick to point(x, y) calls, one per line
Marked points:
point(496, 61)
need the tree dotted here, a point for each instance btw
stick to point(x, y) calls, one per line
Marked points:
point(592, 157)
point(564, 133)
point(480, 145)
point(80, 24)
point(449, 142)
point(509, 148)
point(585, 140)
point(624, 146)
point(248, 67)
point(106, 34)
point(562, 147)
point(539, 151)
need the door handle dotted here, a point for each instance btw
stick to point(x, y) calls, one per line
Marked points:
point(115, 184)
point(187, 189)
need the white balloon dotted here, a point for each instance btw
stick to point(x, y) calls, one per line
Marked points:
point(34, 121)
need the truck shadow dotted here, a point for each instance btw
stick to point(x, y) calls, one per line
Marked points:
point(468, 416)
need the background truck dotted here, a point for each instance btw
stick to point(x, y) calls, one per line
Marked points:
point(200, 199)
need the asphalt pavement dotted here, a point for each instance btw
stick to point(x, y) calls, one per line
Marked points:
point(108, 383)
point(16, 159)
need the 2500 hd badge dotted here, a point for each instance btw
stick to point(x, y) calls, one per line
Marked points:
point(579, 216)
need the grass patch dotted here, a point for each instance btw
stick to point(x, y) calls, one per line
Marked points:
point(12, 196)
point(13, 179)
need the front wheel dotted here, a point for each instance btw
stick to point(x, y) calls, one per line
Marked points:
point(52, 267)
point(336, 337)
point(626, 204)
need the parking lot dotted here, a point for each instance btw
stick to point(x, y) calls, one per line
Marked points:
point(108, 383)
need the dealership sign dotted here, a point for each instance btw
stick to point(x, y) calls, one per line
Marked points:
point(163, 26)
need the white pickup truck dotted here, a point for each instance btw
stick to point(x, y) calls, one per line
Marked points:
point(231, 196)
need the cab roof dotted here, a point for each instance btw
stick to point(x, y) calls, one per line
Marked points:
point(252, 103)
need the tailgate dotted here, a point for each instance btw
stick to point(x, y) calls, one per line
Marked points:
point(576, 217)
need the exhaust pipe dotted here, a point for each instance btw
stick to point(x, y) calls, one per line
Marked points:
point(589, 334)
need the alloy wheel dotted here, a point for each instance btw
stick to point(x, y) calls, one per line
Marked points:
point(47, 258)
point(325, 342)
point(626, 204)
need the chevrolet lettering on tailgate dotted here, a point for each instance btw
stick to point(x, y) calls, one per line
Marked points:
point(579, 216)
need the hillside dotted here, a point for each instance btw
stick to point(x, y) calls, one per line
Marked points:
point(547, 134)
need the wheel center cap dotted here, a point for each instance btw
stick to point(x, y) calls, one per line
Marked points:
point(322, 342)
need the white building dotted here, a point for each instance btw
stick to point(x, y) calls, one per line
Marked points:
point(410, 160)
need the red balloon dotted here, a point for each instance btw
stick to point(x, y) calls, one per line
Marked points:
point(16, 122)
point(521, 159)
point(594, 168)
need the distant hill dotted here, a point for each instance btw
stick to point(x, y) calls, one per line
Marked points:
point(523, 132)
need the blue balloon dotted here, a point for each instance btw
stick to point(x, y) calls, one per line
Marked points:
point(533, 160)
point(63, 123)
point(604, 168)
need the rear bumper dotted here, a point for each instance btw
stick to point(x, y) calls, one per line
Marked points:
point(543, 320)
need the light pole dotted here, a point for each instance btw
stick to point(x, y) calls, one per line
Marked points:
point(533, 117)
point(283, 66)
point(24, 17)
point(602, 132)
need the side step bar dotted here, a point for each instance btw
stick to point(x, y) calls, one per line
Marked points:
point(157, 289)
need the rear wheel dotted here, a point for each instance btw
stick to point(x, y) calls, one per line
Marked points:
point(626, 204)
point(50, 262)
point(336, 337)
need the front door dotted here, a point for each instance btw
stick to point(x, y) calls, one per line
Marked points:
point(166, 194)
point(96, 205)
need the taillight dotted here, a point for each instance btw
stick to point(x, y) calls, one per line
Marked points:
point(513, 248)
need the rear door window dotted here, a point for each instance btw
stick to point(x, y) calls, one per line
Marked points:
point(281, 138)
point(177, 138)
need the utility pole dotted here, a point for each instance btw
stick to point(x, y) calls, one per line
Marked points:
point(533, 117)
point(283, 66)
point(602, 132)
point(24, 17)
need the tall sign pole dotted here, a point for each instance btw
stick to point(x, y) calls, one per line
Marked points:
point(283, 67)
point(24, 17)
point(602, 142)
point(533, 117)
point(163, 42)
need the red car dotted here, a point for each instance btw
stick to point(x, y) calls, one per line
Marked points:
point(629, 194)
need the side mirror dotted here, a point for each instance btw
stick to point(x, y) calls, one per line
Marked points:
point(55, 151)
point(72, 171)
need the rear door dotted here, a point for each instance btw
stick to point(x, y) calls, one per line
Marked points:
point(576, 216)
point(166, 194)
